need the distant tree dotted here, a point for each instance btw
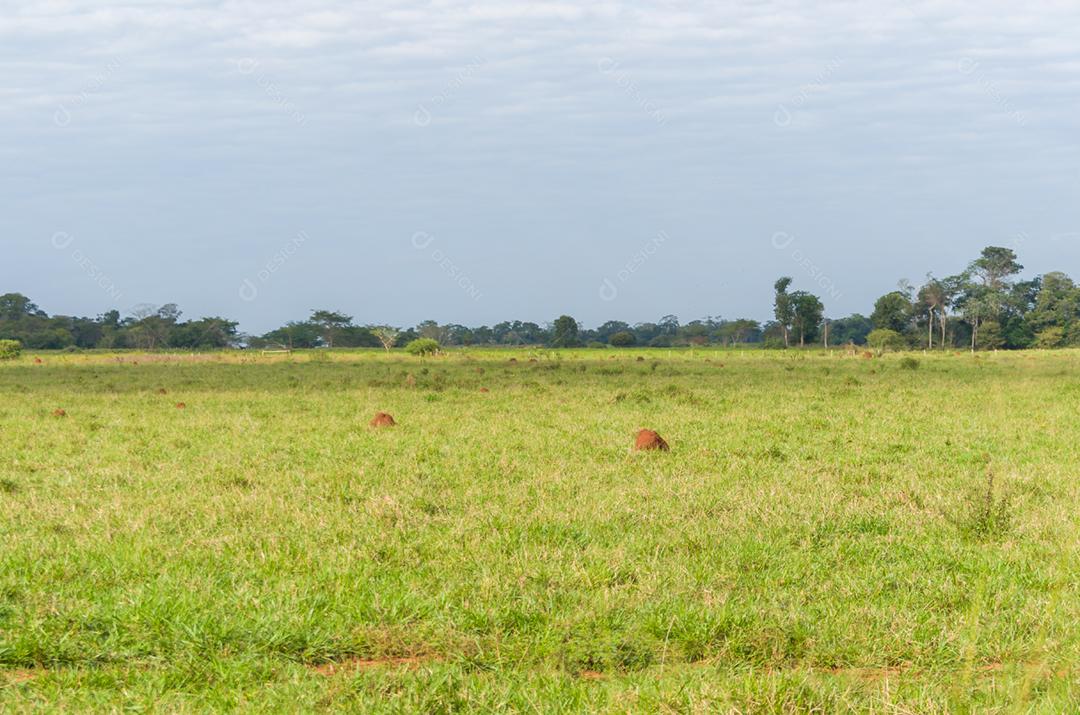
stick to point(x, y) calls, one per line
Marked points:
point(622, 339)
point(852, 329)
point(669, 325)
point(807, 313)
point(1057, 305)
point(295, 335)
point(385, 335)
point(932, 299)
point(742, 330)
point(892, 311)
point(206, 333)
point(356, 336)
point(565, 333)
point(330, 324)
point(995, 266)
point(783, 309)
point(14, 306)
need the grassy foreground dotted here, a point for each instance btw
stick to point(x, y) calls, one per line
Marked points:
point(828, 533)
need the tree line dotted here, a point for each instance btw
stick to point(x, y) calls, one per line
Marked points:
point(983, 307)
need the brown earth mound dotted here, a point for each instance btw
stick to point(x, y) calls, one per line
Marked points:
point(162, 391)
point(37, 361)
point(181, 406)
point(647, 439)
point(382, 419)
point(59, 413)
point(484, 389)
point(867, 354)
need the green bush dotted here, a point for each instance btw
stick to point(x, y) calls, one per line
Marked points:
point(623, 339)
point(884, 339)
point(422, 347)
point(596, 344)
point(10, 349)
point(909, 363)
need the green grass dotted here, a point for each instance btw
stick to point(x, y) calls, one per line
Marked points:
point(828, 533)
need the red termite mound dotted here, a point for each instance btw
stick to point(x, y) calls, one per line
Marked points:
point(382, 419)
point(647, 439)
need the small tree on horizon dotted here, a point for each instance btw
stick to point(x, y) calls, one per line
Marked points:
point(564, 333)
point(783, 308)
point(386, 335)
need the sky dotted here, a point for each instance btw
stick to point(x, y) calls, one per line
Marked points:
point(473, 162)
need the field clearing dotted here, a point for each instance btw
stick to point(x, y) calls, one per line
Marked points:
point(827, 532)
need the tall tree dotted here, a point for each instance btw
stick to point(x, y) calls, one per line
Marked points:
point(564, 333)
point(932, 298)
point(807, 312)
point(783, 309)
point(892, 311)
point(330, 324)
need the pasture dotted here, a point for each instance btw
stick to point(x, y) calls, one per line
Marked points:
point(827, 532)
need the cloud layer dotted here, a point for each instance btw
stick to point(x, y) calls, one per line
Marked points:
point(185, 145)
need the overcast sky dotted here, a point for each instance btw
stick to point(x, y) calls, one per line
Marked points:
point(472, 162)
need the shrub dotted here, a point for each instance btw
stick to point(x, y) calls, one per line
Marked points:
point(909, 363)
point(422, 347)
point(884, 339)
point(1049, 338)
point(10, 349)
point(596, 344)
point(622, 339)
point(660, 341)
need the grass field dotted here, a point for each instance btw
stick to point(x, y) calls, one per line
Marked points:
point(827, 533)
